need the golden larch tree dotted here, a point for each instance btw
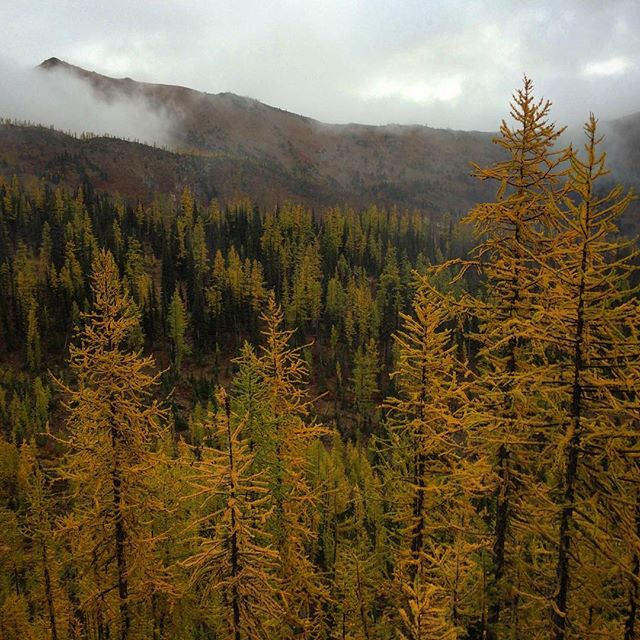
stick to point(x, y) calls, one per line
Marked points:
point(514, 231)
point(589, 321)
point(286, 434)
point(234, 561)
point(436, 477)
point(112, 426)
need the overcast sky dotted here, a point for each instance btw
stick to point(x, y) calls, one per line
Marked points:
point(446, 63)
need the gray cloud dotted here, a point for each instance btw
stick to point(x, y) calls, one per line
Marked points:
point(448, 64)
point(65, 101)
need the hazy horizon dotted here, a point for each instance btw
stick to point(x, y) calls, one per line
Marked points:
point(447, 65)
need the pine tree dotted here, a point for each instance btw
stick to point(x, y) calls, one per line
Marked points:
point(214, 293)
point(389, 297)
point(33, 339)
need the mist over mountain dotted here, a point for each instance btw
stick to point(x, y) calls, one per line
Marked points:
point(53, 95)
point(225, 145)
point(240, 144)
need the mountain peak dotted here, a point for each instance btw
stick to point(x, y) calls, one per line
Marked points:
point(287, 155)
point(52, 63)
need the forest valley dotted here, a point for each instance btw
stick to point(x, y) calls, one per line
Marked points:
point(220, 421)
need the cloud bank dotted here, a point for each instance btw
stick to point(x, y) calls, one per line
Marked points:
point(447, 64)
point(59, 98)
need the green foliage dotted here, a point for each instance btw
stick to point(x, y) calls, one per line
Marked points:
point(233, 554)
point(365, 383)
point(177, 321)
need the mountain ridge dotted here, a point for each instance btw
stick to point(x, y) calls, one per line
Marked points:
point(230, 145)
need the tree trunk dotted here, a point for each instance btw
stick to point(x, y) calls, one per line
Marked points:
point(634, 589)
point(235, 564)
point(120, 543)
point(559, 614)
point(361, 606)
point(49, 592)
point(417, 534)
point(500, 538)
point(562, 572)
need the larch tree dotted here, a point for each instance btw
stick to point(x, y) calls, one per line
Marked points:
point(287, 432)
point(39, 532)
point(112, 425)
point(365, 381)
point(306, 291)
point(630, 473)
point(15, 559)
point(425, 617)
point(589, 320)
point(355, 545)
point(514, 231)
point(233, 564)
point(177, 321)
point(436, 476)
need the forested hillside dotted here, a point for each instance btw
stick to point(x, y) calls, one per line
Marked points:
point(228, 144)
point(222, 419)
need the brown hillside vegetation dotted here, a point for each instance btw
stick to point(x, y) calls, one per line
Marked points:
point(231, 144)
point(226, 145)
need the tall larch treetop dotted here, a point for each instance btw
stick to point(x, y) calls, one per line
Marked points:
point(514, 230)
point(589, 322)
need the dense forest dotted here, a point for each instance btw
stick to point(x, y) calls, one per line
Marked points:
point(222, 421)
